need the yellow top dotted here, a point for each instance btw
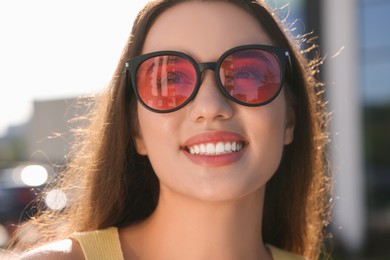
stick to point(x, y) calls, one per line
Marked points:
point(105, 245)
point(100, 244)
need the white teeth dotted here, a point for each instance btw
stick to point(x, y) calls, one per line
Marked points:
point(197, 150)
point(219, 148)
point(202, 148)
point(210, 148)
point(234, 145)
point(215, 148)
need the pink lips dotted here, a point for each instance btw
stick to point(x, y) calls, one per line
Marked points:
point(214, 137)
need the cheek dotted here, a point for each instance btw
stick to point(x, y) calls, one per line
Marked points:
point(160, 135)
point(157, 134)
point(267, 135)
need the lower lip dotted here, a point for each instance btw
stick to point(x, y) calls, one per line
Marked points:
point(214, 160)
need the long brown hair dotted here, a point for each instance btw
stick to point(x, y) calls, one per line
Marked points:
point(109, 184)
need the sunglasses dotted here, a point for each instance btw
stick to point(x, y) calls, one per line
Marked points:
point(250, 75)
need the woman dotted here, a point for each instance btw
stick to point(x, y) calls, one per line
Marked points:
point(210, 144)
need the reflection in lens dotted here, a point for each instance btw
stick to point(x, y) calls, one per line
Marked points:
point(251, 76)
point(165, 82)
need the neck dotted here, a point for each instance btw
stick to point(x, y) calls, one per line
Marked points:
point(186, 228)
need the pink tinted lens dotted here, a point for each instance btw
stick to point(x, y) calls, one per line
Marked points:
point(251, 76)
point(165, 82)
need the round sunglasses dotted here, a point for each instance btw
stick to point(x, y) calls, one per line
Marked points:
point(250, 75)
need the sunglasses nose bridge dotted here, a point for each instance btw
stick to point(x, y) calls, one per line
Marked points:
point(207, 66)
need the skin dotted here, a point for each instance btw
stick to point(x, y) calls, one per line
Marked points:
point(204, 212)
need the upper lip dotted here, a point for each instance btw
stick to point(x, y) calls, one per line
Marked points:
point(214, 137)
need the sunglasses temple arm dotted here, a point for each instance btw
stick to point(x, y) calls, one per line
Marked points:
point(289, 62)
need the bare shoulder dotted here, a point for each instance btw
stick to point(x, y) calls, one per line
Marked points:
point(59, 250)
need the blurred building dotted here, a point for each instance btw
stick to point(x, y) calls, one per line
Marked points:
point(49, 134)
point(46, 138)
point(357, 49)
point(340, 41)
point(374, 67)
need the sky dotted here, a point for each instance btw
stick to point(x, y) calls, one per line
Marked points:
point(51, 49)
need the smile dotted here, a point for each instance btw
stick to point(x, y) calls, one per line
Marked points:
point(215, 148)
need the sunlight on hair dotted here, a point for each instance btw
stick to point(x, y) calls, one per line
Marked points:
point(28, 234)
point(34, 175)
point(3, 236)
point(56, 199)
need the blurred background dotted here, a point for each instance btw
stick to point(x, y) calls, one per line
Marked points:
point(52, 52)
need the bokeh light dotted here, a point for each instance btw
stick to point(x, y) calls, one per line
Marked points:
point(56, 199)
point(34, 175)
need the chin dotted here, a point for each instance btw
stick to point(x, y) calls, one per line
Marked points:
point(220, 193)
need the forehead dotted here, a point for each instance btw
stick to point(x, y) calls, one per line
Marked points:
point(204, 29)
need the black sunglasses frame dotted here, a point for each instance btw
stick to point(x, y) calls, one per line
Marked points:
point(282, 56)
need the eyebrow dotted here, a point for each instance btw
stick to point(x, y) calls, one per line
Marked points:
point(188, 52)
point(251, 54)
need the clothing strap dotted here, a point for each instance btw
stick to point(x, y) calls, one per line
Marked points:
point(100, 244)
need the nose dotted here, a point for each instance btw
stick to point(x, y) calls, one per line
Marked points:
point(210, 103)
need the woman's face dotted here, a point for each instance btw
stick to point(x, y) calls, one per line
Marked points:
point(205, 30)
